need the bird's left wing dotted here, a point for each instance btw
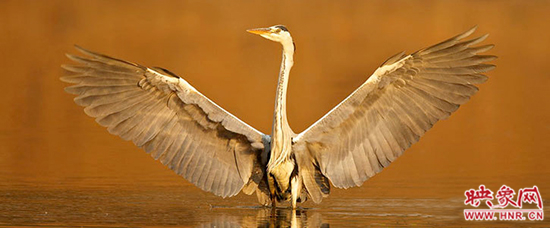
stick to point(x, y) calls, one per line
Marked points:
point(163, 114)
point(390, 111)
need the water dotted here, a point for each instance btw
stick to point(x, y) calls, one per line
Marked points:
point(59, 168)
point(173, 206)
point(163, 199)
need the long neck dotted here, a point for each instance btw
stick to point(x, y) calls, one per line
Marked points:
point(281, 140)
point(280, 121)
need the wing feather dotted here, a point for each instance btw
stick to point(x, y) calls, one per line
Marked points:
point(403, 99)
point(168, 118)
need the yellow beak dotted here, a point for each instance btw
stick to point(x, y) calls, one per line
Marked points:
point(259, 31)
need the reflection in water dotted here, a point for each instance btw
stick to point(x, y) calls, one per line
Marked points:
point(58, 167)
point(149, 206)
point(266, 217)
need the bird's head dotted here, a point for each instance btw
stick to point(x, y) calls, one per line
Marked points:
point(278, 33)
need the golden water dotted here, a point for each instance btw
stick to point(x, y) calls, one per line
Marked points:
point(59, 168)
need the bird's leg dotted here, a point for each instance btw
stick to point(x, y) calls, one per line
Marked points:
point(273, 201)
point(296, 187)
point(271, 185)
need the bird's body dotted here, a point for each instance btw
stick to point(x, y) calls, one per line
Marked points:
point(211, 148)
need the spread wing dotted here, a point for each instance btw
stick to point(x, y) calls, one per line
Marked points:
point(163, 114)
point(404, 98)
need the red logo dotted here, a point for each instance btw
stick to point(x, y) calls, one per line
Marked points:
point(507, 208)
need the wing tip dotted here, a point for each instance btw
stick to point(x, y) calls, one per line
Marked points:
point(85, 51)
point(480, 38)
point(99, 57)
point(70, 90)
point(489, 58)
point(76, 58)
point(483, 78)
point(71, 68)
point(488, 67)
point(467, 32)
point(67, 79)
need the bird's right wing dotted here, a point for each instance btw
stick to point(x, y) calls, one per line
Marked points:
point(389, 112)
point(163, 114)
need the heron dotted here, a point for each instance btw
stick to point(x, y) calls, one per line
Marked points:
point(164, 115)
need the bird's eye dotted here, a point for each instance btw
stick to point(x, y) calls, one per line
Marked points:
point(277, 30)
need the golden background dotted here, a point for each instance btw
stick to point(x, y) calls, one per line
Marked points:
point(502, 136)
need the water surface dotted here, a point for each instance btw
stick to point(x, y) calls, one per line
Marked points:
point(59, 168)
